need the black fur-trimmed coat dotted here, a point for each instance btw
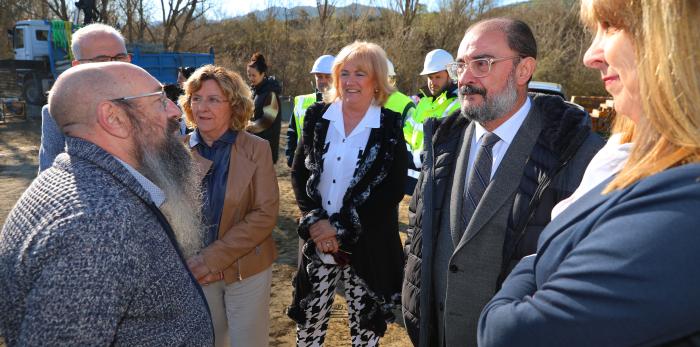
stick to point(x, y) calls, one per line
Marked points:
point(367, 222)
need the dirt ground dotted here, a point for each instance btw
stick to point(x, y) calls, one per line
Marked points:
point(19, 148)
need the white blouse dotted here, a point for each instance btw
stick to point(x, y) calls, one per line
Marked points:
point(606, 163)
point(341, 157)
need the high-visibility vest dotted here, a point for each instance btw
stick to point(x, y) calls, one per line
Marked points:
point(428, 107)
point(301, 103)
point(400, 103)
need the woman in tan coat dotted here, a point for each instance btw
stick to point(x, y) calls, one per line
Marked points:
point(241, 203)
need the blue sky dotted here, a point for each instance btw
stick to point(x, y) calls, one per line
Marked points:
point(231, 8)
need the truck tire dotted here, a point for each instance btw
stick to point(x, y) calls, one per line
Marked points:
point(33, 93)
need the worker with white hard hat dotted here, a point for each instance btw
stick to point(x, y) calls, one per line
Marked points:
point(322, 71)
point(322, 78)
point(390, 70)
point(398, 102)
point(437, 100)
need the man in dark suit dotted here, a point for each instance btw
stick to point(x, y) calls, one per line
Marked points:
point(492, 173)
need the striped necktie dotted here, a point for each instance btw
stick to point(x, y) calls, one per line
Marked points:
point(479, 178)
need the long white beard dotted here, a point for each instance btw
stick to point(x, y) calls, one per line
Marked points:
point(170, 166)
point(182, 209)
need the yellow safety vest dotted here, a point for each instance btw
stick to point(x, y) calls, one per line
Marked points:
point(399, 102)
point(301, 103)
point(428, 107)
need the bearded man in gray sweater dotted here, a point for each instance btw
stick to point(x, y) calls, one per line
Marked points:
point(92, 253)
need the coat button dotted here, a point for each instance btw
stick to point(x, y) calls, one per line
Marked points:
point(453, 268)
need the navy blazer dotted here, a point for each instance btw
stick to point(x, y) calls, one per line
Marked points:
point(616, 270)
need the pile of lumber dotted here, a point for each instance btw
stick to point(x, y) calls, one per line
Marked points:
point(600, 108)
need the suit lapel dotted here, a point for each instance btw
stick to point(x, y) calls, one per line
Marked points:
point(507, 177)
point(457, 196)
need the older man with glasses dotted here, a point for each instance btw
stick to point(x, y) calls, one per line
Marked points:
point(94, 43)
point(94, 251)
point(490, 177)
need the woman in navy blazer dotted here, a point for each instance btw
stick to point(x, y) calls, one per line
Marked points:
point(621, 266)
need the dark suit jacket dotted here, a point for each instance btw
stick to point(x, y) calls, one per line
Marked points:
point(614, 270)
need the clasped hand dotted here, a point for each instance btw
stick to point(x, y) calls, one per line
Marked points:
point(201, 272)
point(324, 236)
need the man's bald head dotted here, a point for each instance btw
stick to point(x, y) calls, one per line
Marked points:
point(74, 98)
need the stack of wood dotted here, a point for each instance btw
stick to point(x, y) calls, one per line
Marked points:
point(601, 110)
point(603, 116)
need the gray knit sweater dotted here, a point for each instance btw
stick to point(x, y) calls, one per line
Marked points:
point(84, 261)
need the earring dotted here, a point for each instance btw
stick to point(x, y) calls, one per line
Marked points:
point(376, 90)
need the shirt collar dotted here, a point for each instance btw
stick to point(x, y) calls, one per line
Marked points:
point(334, 114)
point(157, 195)
point(507, 131)
point(195, 138)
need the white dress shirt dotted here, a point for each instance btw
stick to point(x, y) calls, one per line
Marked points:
point(342, 157)
point(606, 163)
point(506, 132)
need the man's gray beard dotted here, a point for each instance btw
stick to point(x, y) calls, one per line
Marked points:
point(492, 107)
point(169, 165)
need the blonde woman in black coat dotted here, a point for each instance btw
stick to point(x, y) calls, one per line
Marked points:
point(348, 177)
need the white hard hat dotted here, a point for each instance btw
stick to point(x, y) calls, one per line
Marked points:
point(436, 60)
point(323, 64)
point(391, 72)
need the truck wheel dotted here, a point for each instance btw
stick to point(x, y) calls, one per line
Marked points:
point(33, 93)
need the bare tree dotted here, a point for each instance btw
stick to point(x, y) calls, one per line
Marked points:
point(142, 24)
point(356, 19)
point(104, 11)
point(135, 15)
point(24, 9)
point(128, 9)
point(408, 10)
point(459, 14)
point(325, 8)
point(179, 18)
point(59, 8)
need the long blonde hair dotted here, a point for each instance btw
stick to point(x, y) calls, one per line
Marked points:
point(666, 37)
point(624, 126)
